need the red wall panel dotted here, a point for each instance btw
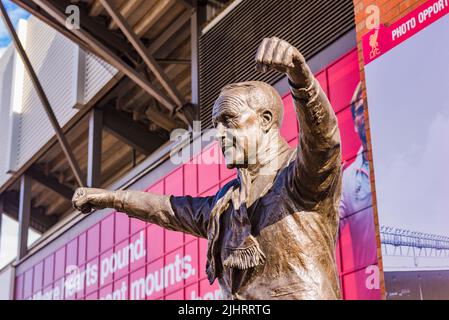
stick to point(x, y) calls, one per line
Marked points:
point(93, 242)
point(289, 129)
point(48, 269)
point(19, 287)
point(107, 233)
point(155, 242)
point(191, 252)
point(28, 283)
point(106, 292)
point(155, 281)
point(59, 263)
point(38, 276)
point(121, 226)
point(174, 185)
point(106, 277)
point(82, 248)
point(322, 79)
point(343, 77)
point(72, 252)
point(208, 168)
point(119, 248)
point(351, 142)
point(355, 286)
point(190, 179)
point(137, 292)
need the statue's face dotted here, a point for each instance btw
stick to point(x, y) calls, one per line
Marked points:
point(239, 129)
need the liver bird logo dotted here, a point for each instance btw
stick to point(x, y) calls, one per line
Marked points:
point(374, 44)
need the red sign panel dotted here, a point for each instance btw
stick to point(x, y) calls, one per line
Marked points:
point(381, 40)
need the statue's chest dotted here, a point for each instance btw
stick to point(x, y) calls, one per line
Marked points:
point(269, 207)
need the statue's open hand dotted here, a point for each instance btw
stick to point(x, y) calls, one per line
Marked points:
point(87, 199)
point(277, 54)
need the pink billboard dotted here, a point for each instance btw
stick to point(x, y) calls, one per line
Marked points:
point(123, 258)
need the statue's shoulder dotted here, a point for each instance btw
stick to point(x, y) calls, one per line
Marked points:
point(226, 187)
point(292, 154)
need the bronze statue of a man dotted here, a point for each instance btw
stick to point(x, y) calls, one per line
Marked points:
point(272, 231)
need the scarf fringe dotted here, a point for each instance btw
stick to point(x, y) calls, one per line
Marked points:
point(245, 258)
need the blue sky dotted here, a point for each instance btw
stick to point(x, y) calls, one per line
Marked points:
point(15, 14)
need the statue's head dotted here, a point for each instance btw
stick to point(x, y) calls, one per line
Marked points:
point(247, 116)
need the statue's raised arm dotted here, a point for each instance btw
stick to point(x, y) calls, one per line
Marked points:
point(271, 231)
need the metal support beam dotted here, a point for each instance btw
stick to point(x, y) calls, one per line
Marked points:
point(126, 9)
point(114, 41)
point(197, 19)
point(169, 32)
point(132, 133)
point(50, 182)
point(24, 215)
point(160, 119)
point(96, 8)
point(186, 3)
point(150, 18)
point(94, 148)
point(181, 36)
point(142, 51)
point(173, 61)
point(107, 55)
point(43, 98)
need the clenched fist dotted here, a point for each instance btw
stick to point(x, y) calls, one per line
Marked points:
point(86, 200)
point(279, 55)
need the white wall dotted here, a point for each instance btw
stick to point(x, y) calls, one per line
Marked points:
point(6, 71)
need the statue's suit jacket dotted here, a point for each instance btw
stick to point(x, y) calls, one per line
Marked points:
point(295, 218)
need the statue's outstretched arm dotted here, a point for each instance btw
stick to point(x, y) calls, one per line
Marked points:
point(317, 171)
point(184, 214)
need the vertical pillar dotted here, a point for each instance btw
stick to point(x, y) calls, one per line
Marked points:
point(196, 21)
point(24, 215)
point(94, 148)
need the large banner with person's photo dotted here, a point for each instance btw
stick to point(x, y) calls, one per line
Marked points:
point(407, 78)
